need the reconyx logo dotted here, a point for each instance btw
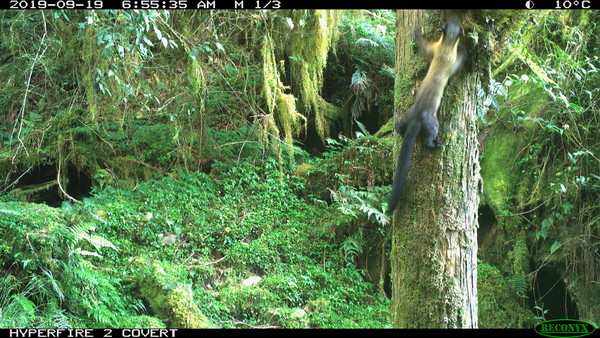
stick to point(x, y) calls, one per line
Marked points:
point(564, 328)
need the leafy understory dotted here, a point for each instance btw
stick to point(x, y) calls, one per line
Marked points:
point(110, 261)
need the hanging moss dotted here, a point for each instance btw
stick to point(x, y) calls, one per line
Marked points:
point(307, 50)
point(279, 104)
point(91, 60)
point(197, 82)
point(519, 255)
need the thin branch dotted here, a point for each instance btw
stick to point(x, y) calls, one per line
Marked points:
point(60, 185)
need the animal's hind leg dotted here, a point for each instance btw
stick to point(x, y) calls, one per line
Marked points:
point(430, 133)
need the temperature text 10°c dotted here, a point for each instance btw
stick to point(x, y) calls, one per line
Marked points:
point(566, 4)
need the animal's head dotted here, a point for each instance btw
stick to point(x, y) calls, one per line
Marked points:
point(452, 30)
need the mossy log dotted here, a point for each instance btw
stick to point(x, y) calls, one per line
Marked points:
point(168, 299)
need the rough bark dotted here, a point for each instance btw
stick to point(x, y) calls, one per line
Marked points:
point(434, 245)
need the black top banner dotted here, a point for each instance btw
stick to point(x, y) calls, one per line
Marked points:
point(296, 4)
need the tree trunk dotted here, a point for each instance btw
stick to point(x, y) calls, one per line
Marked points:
point(434, 245)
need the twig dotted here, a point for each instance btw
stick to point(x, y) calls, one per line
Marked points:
point(208, 263)
point(16, 180)
point(147, 166)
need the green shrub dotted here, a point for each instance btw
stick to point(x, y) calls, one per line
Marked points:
point(48, 253)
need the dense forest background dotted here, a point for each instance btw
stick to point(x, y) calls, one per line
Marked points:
point(231, 168)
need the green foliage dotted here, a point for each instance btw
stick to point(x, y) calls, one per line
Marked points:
point(127, 96)
point(213, 233)
point(562, 130)
point(563, 88)
point(156, 143)
point(71, 64)
point(125, 38)
point(362, 203)
point(48, 252)
point(349, 175)
point(541, 162)
point(248, 222)
point(360, 162)
point(363, 63)
point(17, 309)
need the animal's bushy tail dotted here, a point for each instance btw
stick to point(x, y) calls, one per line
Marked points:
point(403, 163)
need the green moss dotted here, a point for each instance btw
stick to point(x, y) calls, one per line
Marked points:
point(90, 59)
point(303, 170)
point(520, 255)
point(141, 322)
point(497, 169)
point(499, 304)
point(170, 300)
point(309, 45)
point(284, 121)
point(308, 50)
point(244, 301)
